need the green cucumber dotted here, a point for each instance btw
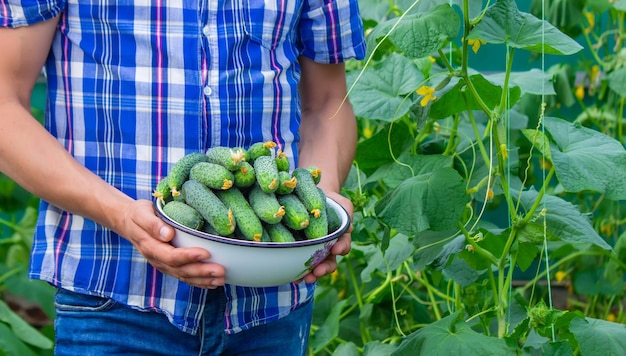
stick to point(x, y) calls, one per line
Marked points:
point(244, 175)
point(307, 191)
point(334, 222)
point(162, 191)
point(318, 226)
point(226, 156)
point(179, 172)
point(296, 216)
point(201, 198)
point(259, 149)
point(213, 175)
point(247, 222)
point(279, 233)
point(265, 205)
point(282, 161)
point(266, 173)
point(286, 183)
point(316, 173)
point(183, 214)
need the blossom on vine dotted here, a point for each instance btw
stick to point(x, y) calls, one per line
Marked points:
point(504, 151)
point(476, 43)
point(580, 92)
point(591, 21)
point(428, 93)
point(561, 276)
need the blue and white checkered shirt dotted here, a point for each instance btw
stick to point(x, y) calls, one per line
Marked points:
point(135, 85)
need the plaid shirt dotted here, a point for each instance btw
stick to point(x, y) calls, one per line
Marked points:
point(135, 85)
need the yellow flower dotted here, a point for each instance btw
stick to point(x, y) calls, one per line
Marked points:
point(611, 317)
point(476, 44)
point(504, 151)
point(580, 92)
point(544, 164)
point(595, 71)
point(561, 276)
point(431, 59)
point(367, 132)
point(489, 194)
point(591, 21)
point(428, 94)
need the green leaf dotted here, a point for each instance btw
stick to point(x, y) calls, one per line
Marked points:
point(22, 329)
point(400, 249)
point(617, 81)
point(330, 329)
point(533, 81)
point(614, 271)
point(394, 173)
point(380, 91)
point(377, 348)
point(504, 23)
point(460, 272)
point(585, 159)
point(599, 6)
point(436, 246)
point(418, 35)
point(10, 345)
point(451, 336)
point(451, 100)
point(563, 222)
point(433, 201)
point(378, 150)
point(599, 337)
point(346, 349)
point(591, 282)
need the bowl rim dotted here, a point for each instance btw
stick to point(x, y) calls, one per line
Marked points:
point(158, 205)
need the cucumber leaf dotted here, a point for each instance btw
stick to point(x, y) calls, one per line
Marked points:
point(504, 23)
point(433, 201)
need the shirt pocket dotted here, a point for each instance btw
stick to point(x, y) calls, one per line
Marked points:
point(270, 22)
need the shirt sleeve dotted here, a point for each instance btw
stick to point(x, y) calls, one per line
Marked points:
point(16, 13)
point(331, 31)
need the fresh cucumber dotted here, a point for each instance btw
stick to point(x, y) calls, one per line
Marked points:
point(286, 183)
point(259, 149)
point(201, 198)
point(307, 191)
point(265, 205)
point(244, 176)
point(318, 226)
point(247, 221)
point(162, 190)
point(279, 233)
point(213, 175)
point(179, 172)
point(183, 214)
point(282, 161)
point(226, 156)
point(296, 216)
point(266, 173)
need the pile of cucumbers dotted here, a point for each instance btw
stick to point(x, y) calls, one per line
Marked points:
point(250, 194)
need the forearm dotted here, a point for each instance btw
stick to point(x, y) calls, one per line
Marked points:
point(328, 133)
point(328, 141)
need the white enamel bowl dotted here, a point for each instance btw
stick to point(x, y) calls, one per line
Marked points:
point(260, 264)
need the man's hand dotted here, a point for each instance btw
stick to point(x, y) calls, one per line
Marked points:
point(151, 237)
point(341, 248)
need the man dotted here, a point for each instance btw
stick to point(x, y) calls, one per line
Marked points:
point(132, 87)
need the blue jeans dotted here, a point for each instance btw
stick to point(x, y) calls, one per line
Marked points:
point(88, 325)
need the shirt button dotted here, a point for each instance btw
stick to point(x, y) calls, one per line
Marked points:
point(207, 90)
point(205, 31)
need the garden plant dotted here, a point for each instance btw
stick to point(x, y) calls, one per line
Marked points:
point(481, 193)
point(489, 201)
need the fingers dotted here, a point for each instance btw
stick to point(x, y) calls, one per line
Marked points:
point(151, 237)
